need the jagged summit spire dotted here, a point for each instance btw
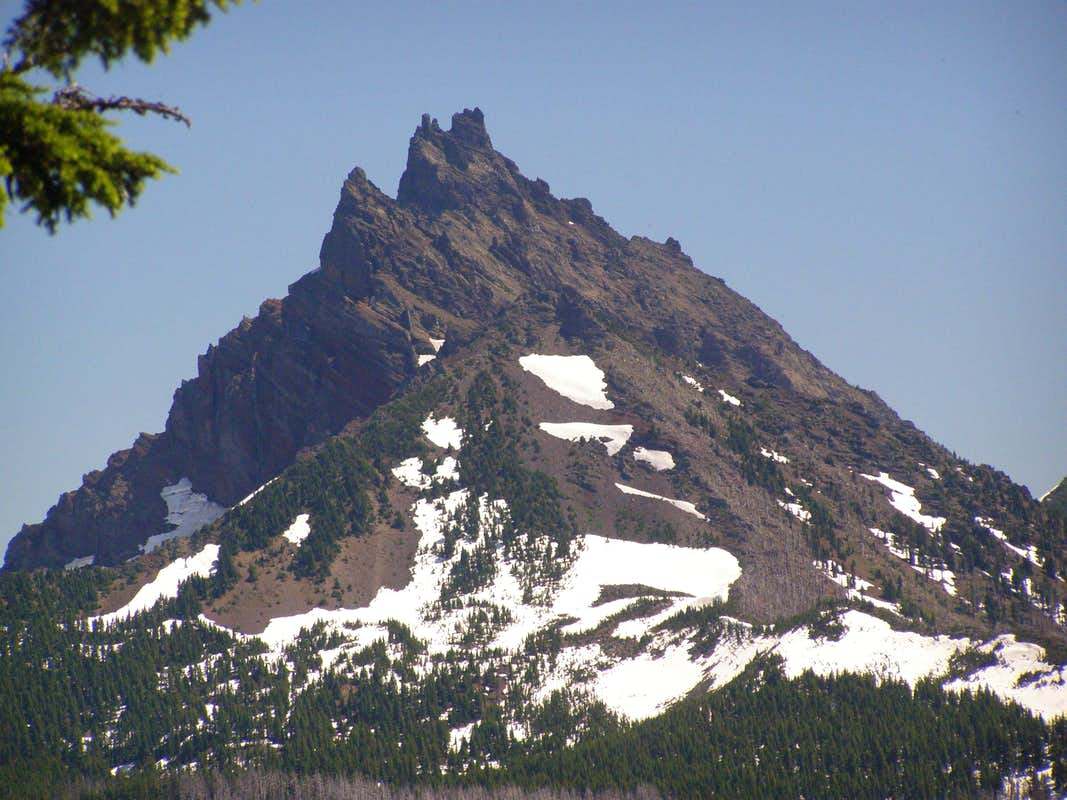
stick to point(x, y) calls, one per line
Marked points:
point(468, 128)
point(443, 165)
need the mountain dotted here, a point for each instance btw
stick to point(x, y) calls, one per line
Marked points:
point(1057, 497)
point(496, 488)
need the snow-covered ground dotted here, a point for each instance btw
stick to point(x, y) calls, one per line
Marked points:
point(773, 456)
point(577, 378)
point(664, 670)
point(78, 563)
point(902, 498)
point(729, 398)
point(443, 432)
point(693, 382)
point(796, 509)
point(410, 472)
point(299, 530)
point(868, 645)
point(613, 437)
point(189, 511)
point(1029, 553)
point(684, 505)
point(1046, 693)
point(936, 572)
point(659, 460)
point(165, 584)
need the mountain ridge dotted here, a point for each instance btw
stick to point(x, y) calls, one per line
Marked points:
point(229, 432)
point(495, 488)
point(468, 242)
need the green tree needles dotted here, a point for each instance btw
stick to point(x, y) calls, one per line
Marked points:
point(57, 154)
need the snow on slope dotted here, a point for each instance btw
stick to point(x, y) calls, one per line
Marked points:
point(659, 460)
point(443, 432)
point(165, 584)
point(868, 645)
point(684, 505)
point(902, 498)
point(1030, 553)
point(703, 575)
point(577, 378)
point(796, 509)
point(299, 530)
point(613, 437)
point(189, 511)
point(409, 472)
point(254, 492)
point(729, 398)
point(1046, 690)
point(663, 669)
point(693, 382)
point(938, 572)
point(773, 456)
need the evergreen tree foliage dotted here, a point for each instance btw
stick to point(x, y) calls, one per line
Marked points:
point(57, 153)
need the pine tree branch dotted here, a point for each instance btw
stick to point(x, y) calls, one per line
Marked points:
point(75, 98)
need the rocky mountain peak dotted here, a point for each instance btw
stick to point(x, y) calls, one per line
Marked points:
point(457, 168)
point(544, 478)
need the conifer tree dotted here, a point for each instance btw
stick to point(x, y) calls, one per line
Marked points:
point(58, 155)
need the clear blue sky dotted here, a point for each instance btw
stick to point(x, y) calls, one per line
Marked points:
point(885, 179)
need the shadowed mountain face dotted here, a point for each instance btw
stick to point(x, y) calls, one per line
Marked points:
point(763, 433)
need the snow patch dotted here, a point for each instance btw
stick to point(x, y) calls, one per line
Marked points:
point(443, 432)
point(1045, 689)
point(684, 505)
point(78, 563)
point(868, 645)
point(902, 498)
point(299, 530)
point(437, 344)
point(644, 686)
point(613, 437)
point(773, 456)
point(937, 572)
point(659, 460)
point(426, 358)
point(165, 584)
point(693, 382)
point(187, 510)
point(729, 398)
point(257, 491)
point(575, 377)
point(457, 736)
point(409, 472)
point(854, 585)
point(1029, 553)
point(796, 509)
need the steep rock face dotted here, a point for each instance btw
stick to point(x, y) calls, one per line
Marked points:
point(468, 240)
